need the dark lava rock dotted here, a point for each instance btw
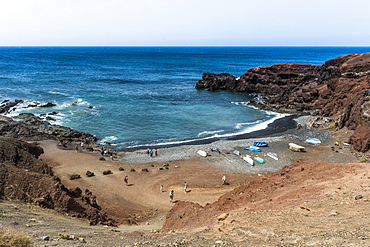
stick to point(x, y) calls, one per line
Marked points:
point(107, 172)
point(74, 176)
point(90, 174)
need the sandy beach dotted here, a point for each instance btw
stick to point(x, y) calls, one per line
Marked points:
point(142, 196)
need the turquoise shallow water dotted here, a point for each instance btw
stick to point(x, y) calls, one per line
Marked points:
point(144, 95)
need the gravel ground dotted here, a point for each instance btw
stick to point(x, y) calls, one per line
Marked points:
point(232, 163)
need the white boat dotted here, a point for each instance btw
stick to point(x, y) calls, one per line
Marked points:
point(202, 153)
point(272, 155)
point(295, 147)
point(249, 160)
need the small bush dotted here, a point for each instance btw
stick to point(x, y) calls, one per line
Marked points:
point(64, 236)
point(331, 127)
point(8, 239)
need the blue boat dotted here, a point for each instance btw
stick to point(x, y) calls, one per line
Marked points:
point(313, 141)
point(253, 148)
point(260, 144)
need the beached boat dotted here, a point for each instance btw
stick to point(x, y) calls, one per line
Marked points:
point(249, 160)
point(236, 152)
point(260, 144)
point(253, 148)
point(202, 153)
point(313, 141)
point(272, 155)
point(295, 147)
point(259, 160)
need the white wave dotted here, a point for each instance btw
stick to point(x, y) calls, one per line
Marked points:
point(259, 126)
point(60, 93)
point(241, 103)
point(108, 139)
point(242, 125)
point(207, 133)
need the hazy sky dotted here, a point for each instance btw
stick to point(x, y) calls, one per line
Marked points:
point(184, 22)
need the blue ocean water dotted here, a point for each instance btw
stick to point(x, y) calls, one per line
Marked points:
point(144, 95)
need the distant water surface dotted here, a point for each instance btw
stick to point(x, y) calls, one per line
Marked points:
point(145, 95)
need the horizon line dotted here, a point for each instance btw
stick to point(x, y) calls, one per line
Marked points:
point(184, 45)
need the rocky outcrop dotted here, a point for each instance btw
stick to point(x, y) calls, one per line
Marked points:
point(7, 105)
point(29, 127)
point(25, 178)
point(338, 89)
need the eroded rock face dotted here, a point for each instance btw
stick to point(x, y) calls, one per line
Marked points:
point(338, 89)
point(25, 178)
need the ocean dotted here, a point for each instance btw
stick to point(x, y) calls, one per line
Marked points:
point(135, 97)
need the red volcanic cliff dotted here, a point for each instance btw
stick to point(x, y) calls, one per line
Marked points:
point(25, 178)
point(338, 89)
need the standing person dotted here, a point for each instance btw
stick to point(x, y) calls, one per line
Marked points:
point(161, 188)
point(82, 145)
point(171, 195)
point(185, 187)
point(223, 179)
point(155, 152)
point(76, 147)
point(126, 180)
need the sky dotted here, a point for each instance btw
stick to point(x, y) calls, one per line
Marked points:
point(184, 23)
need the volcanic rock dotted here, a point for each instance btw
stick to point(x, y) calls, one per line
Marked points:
point(25, 178)
point(338, 90)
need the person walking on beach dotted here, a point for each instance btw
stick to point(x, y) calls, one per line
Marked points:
point(161, 188)
point(185, 187)
point(155, 152)
point(223, 179)
point(126, 180)
point(171, 195)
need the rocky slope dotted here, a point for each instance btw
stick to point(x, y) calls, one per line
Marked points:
point(24, 177)
point(337, 90)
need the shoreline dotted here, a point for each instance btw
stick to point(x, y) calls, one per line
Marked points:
point(278, 139)
point(275, 128)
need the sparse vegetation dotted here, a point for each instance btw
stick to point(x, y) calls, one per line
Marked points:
point(9, 239)
point(64, 236)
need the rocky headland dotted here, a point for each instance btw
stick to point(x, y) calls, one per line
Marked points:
point(337, 92)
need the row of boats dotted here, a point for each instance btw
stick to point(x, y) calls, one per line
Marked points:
point(256, 147)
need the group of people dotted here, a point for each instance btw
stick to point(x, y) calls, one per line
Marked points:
point(152, 152)
point(106, 152)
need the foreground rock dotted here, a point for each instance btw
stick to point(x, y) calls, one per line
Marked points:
point(25, 178)
point(338, 90)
